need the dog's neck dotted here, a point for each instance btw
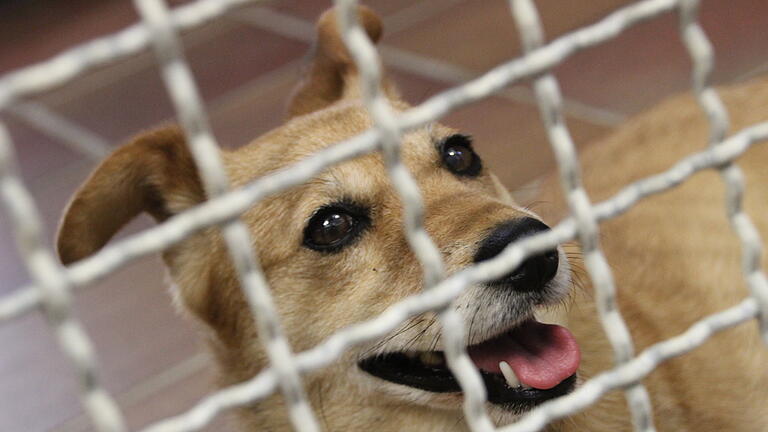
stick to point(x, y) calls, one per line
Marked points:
point(338, 412)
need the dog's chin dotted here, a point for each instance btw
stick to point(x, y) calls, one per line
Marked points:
point(545, 356)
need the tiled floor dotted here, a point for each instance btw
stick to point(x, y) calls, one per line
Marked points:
point(246, 64)
point(648, 62)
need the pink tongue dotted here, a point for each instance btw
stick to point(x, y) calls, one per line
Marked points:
point(542, 355)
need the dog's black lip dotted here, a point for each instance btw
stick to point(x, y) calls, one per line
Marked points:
point(402, 369)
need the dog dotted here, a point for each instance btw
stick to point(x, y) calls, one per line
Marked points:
point(334, 252)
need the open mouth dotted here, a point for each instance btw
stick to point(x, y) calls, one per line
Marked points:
point(521, 368)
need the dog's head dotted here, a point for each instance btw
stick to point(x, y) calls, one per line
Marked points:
point(335, 253)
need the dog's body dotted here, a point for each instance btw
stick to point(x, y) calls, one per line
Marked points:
point(674, 257)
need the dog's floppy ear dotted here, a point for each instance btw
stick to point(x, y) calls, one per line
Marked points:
point(153, 173)
point(332, 75)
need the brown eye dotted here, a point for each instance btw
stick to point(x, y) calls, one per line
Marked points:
point(335, 226)
point(459, 157)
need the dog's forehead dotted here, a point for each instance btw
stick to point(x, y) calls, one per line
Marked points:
point(306, 135)
point(327, 127)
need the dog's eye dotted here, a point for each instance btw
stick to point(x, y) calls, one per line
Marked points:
point(335, 226)
point(331, 228)
point(459, 157)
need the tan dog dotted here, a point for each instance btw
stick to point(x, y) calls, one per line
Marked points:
point(335, 254)
point(676, 259)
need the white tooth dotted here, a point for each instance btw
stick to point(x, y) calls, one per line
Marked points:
point(432, 359)
point(509, 375)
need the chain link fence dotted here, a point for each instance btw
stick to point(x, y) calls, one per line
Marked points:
point(53, 286)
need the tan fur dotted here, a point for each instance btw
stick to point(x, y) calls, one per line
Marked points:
point(674, 257)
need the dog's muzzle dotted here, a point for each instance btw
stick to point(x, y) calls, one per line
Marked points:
point(523, 362)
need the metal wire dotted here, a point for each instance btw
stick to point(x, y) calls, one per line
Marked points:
point(205, 152)
point(75, 61)
point(53, 290)
point(385, 122)
point(551, 107)
point(703, 58)
point(52, 284)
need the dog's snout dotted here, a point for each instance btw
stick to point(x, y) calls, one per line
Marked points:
point(535, 271)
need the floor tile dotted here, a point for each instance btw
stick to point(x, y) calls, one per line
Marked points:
point(175, 399)
point(480, 34)
point(34, 31)
point(135, 331)
point(135, 325)
point(238, 55)
point(648, 62)
point(37, 385)
point(255, 109)
point(44, 165)
point(38, 154)
point(170, 392)
point(120, 107)
point(311, 10)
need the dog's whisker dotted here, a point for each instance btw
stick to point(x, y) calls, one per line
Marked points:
point(470, 334)
point(435, 341)
point(530, 206)
point(413, 322)
point(416, 337)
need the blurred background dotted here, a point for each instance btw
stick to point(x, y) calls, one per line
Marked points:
point(246, 64)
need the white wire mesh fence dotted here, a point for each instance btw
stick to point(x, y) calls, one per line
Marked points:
point(53, 285)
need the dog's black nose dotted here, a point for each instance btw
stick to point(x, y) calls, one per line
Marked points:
point(535, 271)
